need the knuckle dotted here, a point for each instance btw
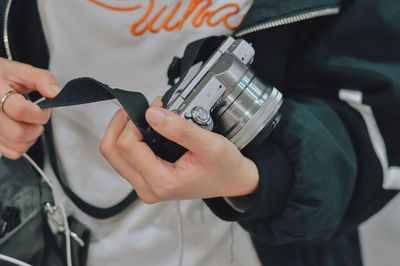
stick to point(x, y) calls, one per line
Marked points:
point(165, 124)
point(169, 124)
point(22, 147)
point(40, 130)
point(13, 155)
point(104, 147)
point(218, 146)
point(122, 112)
point(105, 143)
point(184, 131)
point(45, 76)
point(45, 117)
point(148, 200)
point(123, 142)
point(18, 133)
point(34, 133)
point(161, 193)
point(18, 112)
point(146, 197)
point(165, 191)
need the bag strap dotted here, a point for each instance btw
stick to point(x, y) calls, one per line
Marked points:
point(87, 90)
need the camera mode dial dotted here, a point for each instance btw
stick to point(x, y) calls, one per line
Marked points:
point(199, 115)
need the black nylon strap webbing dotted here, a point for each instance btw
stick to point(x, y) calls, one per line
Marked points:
point(88, 90)
point(195, 52)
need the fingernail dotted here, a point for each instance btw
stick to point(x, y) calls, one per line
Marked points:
point(53, 89)
point(155, 116)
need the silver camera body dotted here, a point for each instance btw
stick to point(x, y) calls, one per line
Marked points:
point(226, 97)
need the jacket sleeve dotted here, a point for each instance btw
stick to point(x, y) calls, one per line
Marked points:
point(307, 174)
point(333, 161)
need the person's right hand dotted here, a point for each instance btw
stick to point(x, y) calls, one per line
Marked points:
point(21, 121)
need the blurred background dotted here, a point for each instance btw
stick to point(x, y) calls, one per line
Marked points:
point(380, 236)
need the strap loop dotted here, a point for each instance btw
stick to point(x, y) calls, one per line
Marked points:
point(87, 90)
point(174, 70)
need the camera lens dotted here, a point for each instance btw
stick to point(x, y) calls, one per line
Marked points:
point(250, 107)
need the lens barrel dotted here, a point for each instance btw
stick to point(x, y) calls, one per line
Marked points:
point(249, 108)
point(226, 97)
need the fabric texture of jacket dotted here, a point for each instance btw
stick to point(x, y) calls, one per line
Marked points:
point(334, 158)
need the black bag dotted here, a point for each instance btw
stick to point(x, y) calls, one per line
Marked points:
point(25, 233)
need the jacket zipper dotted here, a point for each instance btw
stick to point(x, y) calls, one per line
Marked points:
point(5, 30)
point(280, 22)
point(288, 20)
point(255, 28)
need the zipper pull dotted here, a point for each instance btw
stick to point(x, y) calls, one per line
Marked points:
point(52, 212)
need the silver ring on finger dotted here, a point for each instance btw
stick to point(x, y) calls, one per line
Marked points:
point(5, 97)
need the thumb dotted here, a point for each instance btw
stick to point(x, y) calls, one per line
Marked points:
point(27, 78)
point(181, 131)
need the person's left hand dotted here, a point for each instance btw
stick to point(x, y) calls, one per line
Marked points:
point(211, 167)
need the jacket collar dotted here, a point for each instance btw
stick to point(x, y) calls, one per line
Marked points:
point(264, 11)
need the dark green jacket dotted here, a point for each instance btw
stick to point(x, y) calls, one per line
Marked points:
point(323, 169)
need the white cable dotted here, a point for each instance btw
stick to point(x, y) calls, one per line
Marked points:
point(40, 100)
point(67, 231)
point(40, 171)
point(60, 205)
point(180, 232)
point(13, 260)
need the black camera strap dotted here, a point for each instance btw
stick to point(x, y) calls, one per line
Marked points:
point(195, 52)
point(87, 90)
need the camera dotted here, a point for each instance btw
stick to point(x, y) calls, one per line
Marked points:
point(226, 97)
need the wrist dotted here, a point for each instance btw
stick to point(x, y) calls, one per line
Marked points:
point(247, 179)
